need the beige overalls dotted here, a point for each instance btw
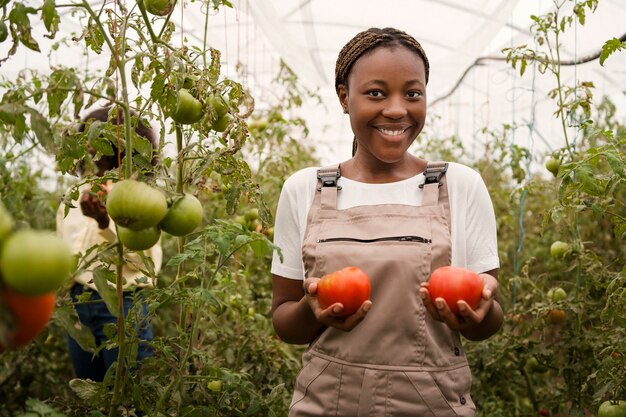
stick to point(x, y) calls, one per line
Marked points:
point(398, 361)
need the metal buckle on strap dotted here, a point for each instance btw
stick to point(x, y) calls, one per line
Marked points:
point(328, 178)
point(433, 173)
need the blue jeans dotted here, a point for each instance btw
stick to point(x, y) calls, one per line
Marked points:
point(95, 316)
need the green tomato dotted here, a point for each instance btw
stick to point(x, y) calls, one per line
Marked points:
point(4, 31)
point(136, 205)
point(553, 165)
point(183, 216)
point(222, 123)
point(159, 7)
point(557, 294)
point(6, 222)
point(218, 105)
point(138, 239)
point(188, 108)
point(35, 262)
point(534, 366)
point(559, 249)
point(612, 409)
point(214, 385)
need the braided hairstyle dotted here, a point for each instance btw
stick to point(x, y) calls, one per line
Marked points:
point(366, 41)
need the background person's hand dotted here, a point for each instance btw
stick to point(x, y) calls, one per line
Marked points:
point(91, 206)
point(332, 316)
point(467, 317)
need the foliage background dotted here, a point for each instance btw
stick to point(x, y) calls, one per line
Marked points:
point(216, 351)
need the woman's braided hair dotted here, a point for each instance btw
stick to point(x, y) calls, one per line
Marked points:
point(366, 41)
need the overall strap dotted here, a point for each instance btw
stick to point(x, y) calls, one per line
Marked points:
point(327, 178)
point(434, 173)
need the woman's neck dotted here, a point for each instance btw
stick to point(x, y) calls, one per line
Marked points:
point(358, 169)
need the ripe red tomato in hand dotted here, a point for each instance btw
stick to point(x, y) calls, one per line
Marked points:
point(349, 286)
point(454, 284)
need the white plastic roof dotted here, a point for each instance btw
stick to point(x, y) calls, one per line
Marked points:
point(308, 34)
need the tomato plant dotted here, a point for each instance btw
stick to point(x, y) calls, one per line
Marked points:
point(138, 239)
point(188, 108)
point(183, 216)
point(136, 205)
point(454, 284)
point(34, 262)
point(349, 286)
point(30, 315)
point(159, 7)
point(612, 409)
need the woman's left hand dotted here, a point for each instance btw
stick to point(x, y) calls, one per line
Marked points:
point(467, 317)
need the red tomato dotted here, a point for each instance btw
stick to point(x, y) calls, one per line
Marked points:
point(349, 286)
point(31, 315)
point(454, 284)
point(556, 316)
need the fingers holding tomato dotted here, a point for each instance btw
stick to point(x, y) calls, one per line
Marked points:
point(458, 297)
point(334, 314)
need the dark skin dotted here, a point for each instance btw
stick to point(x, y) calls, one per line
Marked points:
point(90, 203)
point(385, 97)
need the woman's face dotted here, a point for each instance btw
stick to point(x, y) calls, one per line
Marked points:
point(386, 100)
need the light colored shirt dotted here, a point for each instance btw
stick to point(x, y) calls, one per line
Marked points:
point(82, 233)
point(473, 223)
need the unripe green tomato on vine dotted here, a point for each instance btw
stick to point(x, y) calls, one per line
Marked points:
point(559, 249)
point(553, 165)
point(183, 216)
point(218, 104)
point(34, 262)
point(222, 122)
point(188, 108)
point(136, 205)
point(4, 32)
point(612, 409)
point(159, 7)
point(138, 239)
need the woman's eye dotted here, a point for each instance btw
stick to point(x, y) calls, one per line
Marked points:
point(414, 94)
point(375, 93)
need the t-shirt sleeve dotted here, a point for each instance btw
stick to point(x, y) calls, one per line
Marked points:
point(287, 261)
point(481, 234)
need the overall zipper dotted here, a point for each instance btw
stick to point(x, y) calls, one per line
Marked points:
point(418, 239)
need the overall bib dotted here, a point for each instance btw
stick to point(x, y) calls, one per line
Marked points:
point(398, 361)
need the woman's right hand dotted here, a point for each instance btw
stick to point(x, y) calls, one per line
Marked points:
point(331, 316)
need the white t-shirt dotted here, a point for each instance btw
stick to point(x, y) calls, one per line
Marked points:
point(473, 223)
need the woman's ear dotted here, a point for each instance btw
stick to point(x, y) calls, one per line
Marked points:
point(342, 93)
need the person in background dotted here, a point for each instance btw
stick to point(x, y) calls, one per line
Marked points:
point(398, 217)
point(88, 225)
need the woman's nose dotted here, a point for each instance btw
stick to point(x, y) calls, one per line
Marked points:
point(394, 108)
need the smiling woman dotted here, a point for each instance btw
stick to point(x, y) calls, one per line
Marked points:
point(397, 217)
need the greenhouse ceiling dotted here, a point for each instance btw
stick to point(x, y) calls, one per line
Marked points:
point(471, 86)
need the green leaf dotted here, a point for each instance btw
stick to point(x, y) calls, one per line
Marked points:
point(610, 47)
point(42, 129)
point(57, 91)
point(66, 316)
point(50, 17)
point(102, 277)
point(616, 164)
point(85, 389)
